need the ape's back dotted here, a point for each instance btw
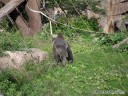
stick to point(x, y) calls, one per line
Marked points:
point(61, 49)
point(60, 42)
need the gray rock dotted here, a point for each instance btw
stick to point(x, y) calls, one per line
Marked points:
point(16, 59)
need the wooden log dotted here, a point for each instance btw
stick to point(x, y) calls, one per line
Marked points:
point(9, 7)
point(122, 42)
point(35, 24)
point(24, 28)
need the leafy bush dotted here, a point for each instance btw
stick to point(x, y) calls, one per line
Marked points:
point(78, 25)
point(113, 39)
point(110, 39)
point(123, 48)
point(70, 5)
point(10, 82)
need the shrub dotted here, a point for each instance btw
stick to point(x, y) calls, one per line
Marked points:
point(113, 39)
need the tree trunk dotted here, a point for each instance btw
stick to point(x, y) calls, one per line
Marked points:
point(110, 24)
point(34, 18)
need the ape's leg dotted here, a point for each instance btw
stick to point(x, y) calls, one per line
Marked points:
point(64, 61)
point(55, 56)
point(70, 55)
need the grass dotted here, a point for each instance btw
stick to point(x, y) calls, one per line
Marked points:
point(95, 68)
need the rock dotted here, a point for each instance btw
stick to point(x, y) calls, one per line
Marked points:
point(1, 94)
point(2, 30)
point(16, 59)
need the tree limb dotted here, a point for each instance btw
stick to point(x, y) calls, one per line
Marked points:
point(9, 7)
point(122, 42)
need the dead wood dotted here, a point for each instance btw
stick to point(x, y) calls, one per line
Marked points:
point(9, 7)
point(34, 25)
point(122, 42)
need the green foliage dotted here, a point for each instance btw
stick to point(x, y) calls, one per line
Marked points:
point(1, 52)
point(93, 69)
point(13, 41)
point(73, 6)
point(4, 24)
point(85, 24)
point(10, 80)
point(7, 25)
point(113, 39)
point(78, 25)
point(123, 48)
point(92, 4)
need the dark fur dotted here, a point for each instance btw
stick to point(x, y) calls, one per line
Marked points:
point(61, 50)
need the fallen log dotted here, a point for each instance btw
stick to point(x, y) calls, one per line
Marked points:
point(122, 42)
point(27, 29)
point(9, 7)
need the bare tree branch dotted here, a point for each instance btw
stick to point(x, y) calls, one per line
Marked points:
point(122, 42)
point(9, 7)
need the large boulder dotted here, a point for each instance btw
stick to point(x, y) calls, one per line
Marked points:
point(16, 59)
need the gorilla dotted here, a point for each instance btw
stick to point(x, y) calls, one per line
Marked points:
point(61, 50)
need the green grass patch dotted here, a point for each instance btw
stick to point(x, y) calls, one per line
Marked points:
point(97, 66)
point(94, 68)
